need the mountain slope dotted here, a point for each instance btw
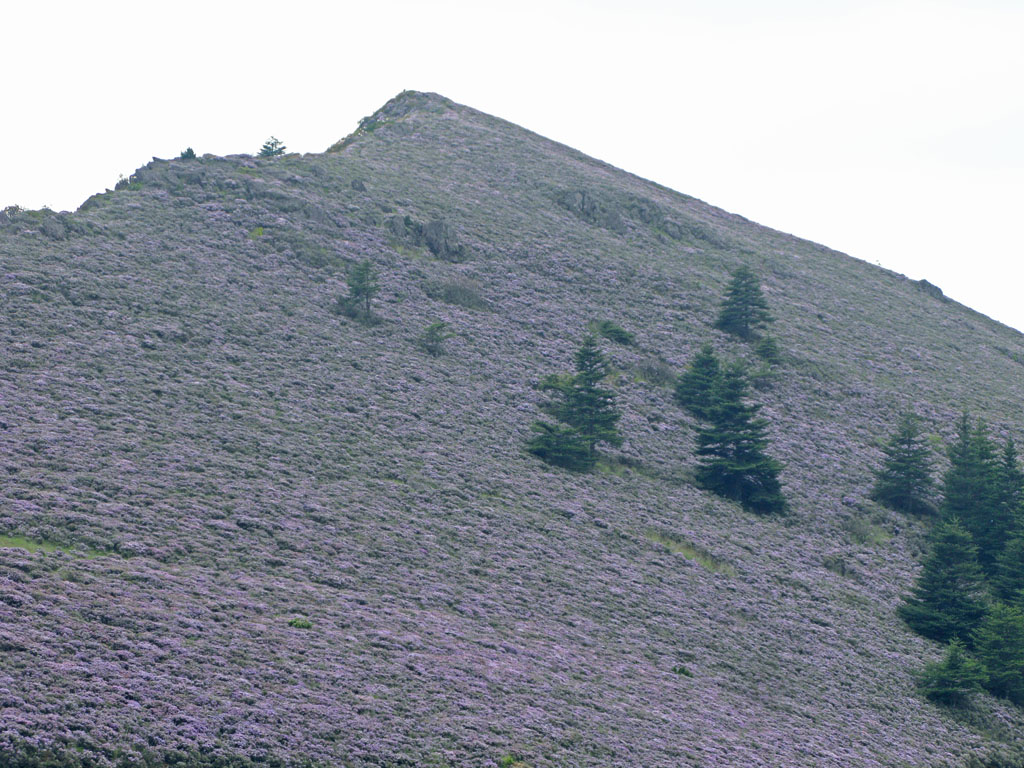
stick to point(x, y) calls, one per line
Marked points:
point(216, 453)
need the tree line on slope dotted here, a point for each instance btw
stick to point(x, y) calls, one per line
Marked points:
point(731, 439)
point(970, 593)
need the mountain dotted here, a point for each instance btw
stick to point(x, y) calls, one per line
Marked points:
point(238, 521)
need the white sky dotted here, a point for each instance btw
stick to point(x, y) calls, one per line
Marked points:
point(892, 131)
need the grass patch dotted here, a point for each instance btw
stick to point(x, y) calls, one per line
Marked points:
point(30, 545)
point(655, 371)
point(865, 532)
point(690, 551)
point(461, 292)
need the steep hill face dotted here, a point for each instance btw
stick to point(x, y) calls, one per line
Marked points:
point(207, 452)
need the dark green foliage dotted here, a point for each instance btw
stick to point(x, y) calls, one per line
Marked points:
point(613, 332)
point(948, 599)
point(904, 481)
point(1008, 520)
point(586, 409)
point(300, 623)
point(999, 645)
point(744, 310)
point(1008, 582)
point(362, 287)
point(272, 147)
point(767, 348)
point(969, 484)
point(732, 447)
point(562, 446)
point(952, 680)
point(187, 154)
point(433, 338)
point(696, 388)
point(982, 490)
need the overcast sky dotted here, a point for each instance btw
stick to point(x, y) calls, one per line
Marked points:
point(892, 131)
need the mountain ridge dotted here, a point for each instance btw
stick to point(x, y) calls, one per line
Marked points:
point(185, 401)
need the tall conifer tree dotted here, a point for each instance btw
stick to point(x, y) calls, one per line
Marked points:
point(731, 447)
point(904, 481)
point(948, 599)
point(698, 386)
point(1008, 580)
point(587, 412)
point(744, 309)
point(999, 645)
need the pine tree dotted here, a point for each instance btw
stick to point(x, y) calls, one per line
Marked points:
point(272, 147)
point(955, 678)
point(732, 447)
point(948, 599)
point(562, 446)
point(904, 481)
point(587, 406)
point(1006, 519)
point(1008, 580)
point(999, 645)
point(433, 338)
point(586, 410)
point(744, 310)
point(969, 483)
point(696, 388)
point(362, 287)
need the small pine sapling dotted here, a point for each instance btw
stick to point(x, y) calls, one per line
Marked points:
point(433, 338)
point(362, 287)
point(272, 147)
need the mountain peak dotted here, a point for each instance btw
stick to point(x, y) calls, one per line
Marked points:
point(397, 108)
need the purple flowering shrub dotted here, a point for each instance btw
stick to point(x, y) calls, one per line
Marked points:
point(180, 397)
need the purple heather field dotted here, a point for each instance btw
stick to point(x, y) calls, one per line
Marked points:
point(199, 451)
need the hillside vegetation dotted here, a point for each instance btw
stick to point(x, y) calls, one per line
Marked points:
point(242, 519)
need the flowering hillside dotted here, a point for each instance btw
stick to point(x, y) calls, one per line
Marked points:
point(236, 519)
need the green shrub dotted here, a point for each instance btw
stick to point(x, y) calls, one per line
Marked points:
point(433, 338)
point(362, 287)
point(952, 680)
point(461, 292)
point(187, 154)
point(656, 371)
point(300, 623)
point(613, 332)
point(767, 348)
